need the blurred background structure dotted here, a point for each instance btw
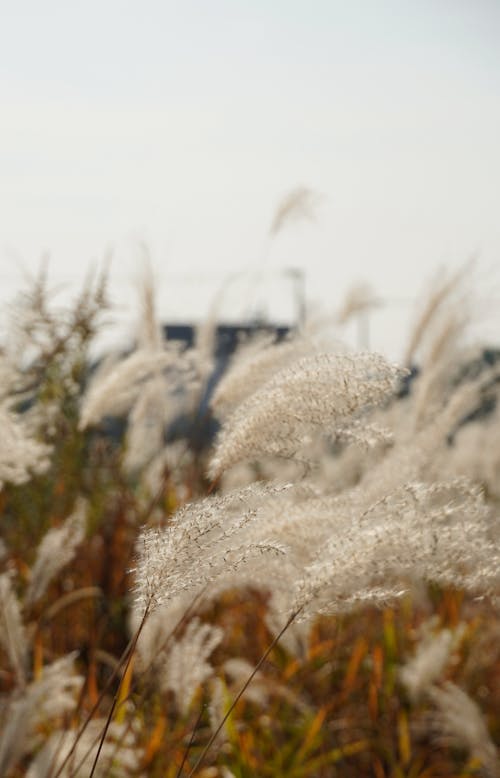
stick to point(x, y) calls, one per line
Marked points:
point(182, 126)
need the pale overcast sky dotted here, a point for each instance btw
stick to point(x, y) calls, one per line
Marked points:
point(182, 124)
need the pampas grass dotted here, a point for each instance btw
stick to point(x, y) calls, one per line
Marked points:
point(299, 204)
point(156, 621)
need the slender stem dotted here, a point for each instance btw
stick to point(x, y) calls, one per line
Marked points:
point(69, 599)
point(191, 740)
point(124, 657)
point(141, 697)
point(116, 696)
point(120, 662)
point(243, 690)
point(103, 736)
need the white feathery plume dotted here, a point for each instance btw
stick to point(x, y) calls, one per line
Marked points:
point(20, 454)
point(459, 722)
point(12, 633)
point(414, 454)
point(146, 425)
point(444, 288)
point(254, 363)
point(429, 661)
point(296, 639)
point(237, 670)
point(436, 383)
point(437, 532)
point(321, 393)
point(150, 334)
point(48, 698)
point(173, 459)
point(120, 755)
point(299, 204)
point(10, 376)
point(56, 550)
point(157, 631)
point(476, 453)
point(186, 667)
point(325, 554)
point(204, 541)
point(146, 420)
point(217, 706)
point(359, 298)
point(116, 391)
point(364, 434)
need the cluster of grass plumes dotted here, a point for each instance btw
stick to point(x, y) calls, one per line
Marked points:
point(315, 595)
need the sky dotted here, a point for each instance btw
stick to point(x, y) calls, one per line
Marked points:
point(179, 127)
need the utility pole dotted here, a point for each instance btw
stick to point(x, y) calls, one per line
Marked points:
point(297, 277)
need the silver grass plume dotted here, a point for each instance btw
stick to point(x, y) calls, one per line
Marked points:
point(150, 335)
point(299, 204)
point(187, 667)
point(458, 721)
point(12, 633)
point(115, 391)
point(21, 455)
point(446, 290)
point(476, 453)
point(56, 550)
point(324, 554)
point(420, 532)
point(120, 755)
point(254, 363)
point(430, 404)
point(146, 420)
point(48, 698)
point(359, 299)
point(203, 542)
point(319, 393)
point(158, 631)
point(427, 665)
point(414, 454)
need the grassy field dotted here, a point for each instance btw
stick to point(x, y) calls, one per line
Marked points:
point(315, 593)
